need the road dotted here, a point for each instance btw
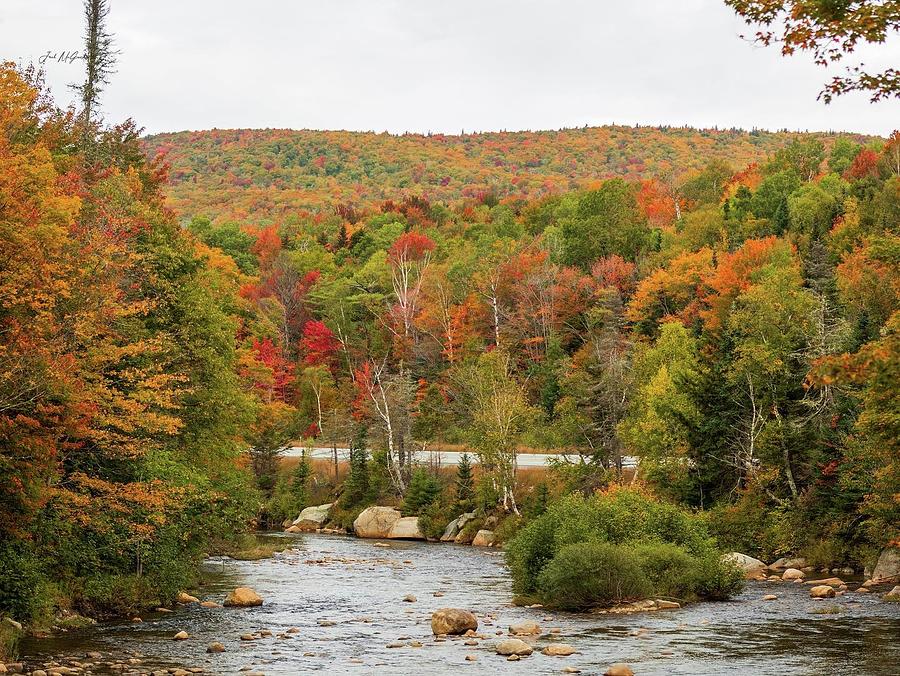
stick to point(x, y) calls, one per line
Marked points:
point(445, 458)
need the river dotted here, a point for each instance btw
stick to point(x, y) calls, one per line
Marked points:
point(345, 595)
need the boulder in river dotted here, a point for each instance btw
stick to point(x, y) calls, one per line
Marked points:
point(483, 538)
point(559, 650)
point(822, 591)
point(753, 568)
point(453, 528)
point(452, 621)
point(830, 581)
point(184, 597)
point(514, 646)
point(893, 595)
point(181, 636)
point(526, 628)
point(619, 669)
point(215, 647)
point(405, 528)
point(793, 574)
point(888, 566)
point(375, 522)
point(312, 518)
point(243, 597)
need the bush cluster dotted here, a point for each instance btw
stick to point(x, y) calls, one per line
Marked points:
point(617, 546)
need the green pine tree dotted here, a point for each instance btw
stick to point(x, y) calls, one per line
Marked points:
point(465, 484)
point(356, 487)
point(423, 491)
point(300, 481)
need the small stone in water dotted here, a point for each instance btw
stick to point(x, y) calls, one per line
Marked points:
point(513, 658)
point(293, 630)
point(471, 658)
point(619, 669)
point(248, 637)
point(181, 636)
point(409, 598)
point(215, 647)
point(769, 597)
point(395, 644)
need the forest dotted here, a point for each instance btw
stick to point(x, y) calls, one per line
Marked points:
point(262, 177)
point(722, 305)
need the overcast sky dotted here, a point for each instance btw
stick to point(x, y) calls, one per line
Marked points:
point(449, 65)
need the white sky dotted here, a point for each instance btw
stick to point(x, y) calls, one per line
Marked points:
point(420, 65)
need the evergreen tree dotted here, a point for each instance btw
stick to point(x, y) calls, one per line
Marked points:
point(465, 484)
point(99, 57)
point(423, 491)
point(541, 500)
point(356, 487)
point(300, 481)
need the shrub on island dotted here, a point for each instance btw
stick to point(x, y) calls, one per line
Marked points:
point(619, 545)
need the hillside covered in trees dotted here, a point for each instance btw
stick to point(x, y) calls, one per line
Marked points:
point(262, 176)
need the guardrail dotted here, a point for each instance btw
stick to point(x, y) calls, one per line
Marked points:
point(443, 458)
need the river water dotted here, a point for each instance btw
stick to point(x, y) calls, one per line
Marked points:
point(345, 595)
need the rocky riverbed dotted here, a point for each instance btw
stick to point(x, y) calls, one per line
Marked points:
point(347, 605)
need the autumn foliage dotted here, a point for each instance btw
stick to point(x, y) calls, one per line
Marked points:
point(720, 304)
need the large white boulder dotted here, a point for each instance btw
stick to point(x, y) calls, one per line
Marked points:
point(888, 566)
point(375, 522)
point(312, 518)
point(406, 528)
point(751, 567)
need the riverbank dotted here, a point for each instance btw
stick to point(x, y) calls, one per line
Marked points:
point(345, 596)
